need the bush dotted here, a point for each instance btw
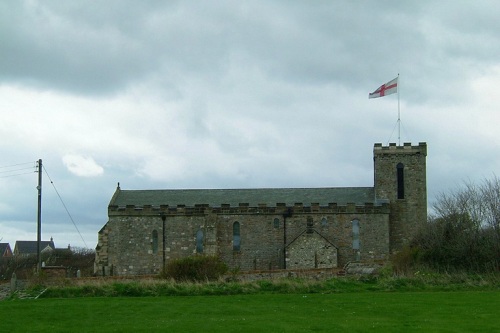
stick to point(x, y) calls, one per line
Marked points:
point(197, 268)
point(444, 244)
point(462, 234)
point(405, 261)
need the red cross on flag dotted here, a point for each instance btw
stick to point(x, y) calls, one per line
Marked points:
point(390, 87)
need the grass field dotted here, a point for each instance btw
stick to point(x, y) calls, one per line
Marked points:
point(457, 311)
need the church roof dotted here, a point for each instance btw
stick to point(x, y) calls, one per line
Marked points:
point(252, 197)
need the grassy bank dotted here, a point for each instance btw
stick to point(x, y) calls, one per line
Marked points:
point(158, 287)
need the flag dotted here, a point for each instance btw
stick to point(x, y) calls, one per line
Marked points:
point(390, 87)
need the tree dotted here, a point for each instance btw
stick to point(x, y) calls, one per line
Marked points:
point(463, 232)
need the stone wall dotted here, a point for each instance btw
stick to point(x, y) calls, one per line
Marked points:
point(55, 272)
point(126, 242)
point(261, 245)
point(311, 250)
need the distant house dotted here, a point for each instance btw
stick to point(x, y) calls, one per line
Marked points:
point(5, 250)
point(27, 248)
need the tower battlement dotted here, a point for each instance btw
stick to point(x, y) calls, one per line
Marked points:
point(421, 148)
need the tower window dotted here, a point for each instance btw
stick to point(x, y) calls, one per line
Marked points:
point(236, 236)
point(199, 241)
point(401, 181)
point(276, 223)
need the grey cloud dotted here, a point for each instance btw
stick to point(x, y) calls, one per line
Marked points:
point(236, 94)
point(103, 48)
point(45, 45)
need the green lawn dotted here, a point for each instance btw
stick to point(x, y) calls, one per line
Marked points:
point(470, 311)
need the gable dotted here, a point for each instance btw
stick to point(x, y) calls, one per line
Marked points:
point(5, 250)
point(311, 250)
point(31, 247)
point(46, 249)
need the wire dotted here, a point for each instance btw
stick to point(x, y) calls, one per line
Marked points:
point(395, 125)
point(14, 170)
point(17, 174)
point(394, 128)
point(64, 205)
point(13, 165)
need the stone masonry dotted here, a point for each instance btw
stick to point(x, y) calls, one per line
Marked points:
point(268, 229)
point(411, 210)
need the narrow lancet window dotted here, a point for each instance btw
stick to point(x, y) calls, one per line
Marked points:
point(401, 181)
point(199, 241)
point(236, 236)
point(154, 242)
point(355, 234)
point(310, 225)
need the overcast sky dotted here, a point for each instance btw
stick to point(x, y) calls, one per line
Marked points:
point(233, 94)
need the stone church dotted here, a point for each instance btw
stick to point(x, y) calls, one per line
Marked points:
point(269, 228)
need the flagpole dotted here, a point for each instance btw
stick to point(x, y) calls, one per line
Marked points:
point(399, 115)
point(388, 89)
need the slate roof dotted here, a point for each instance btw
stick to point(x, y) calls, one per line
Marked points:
point(253, 197)
point(30, 247)
point(5, 249)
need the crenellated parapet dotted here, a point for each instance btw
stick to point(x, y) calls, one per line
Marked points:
point(407, 147)
point(245, 208)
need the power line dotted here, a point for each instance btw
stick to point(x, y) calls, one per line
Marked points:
point(17, 164)
point(18, 169)
point(13, 170)
point(64, 205)
point(17, 174)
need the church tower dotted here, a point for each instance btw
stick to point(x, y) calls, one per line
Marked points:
point(400, 179)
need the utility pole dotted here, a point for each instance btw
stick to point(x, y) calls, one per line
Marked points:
point(39, 216)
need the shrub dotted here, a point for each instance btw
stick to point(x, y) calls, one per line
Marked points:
point(405, 261)
point(445, 244)
point(196, 268)
point(462, 234)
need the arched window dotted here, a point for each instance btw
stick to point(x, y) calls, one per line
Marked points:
point(401, 180)
point(276, 223)
point(154, 242)
point(324, 222)
point(236, 236)
point(199, 241)
point(355, 234)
